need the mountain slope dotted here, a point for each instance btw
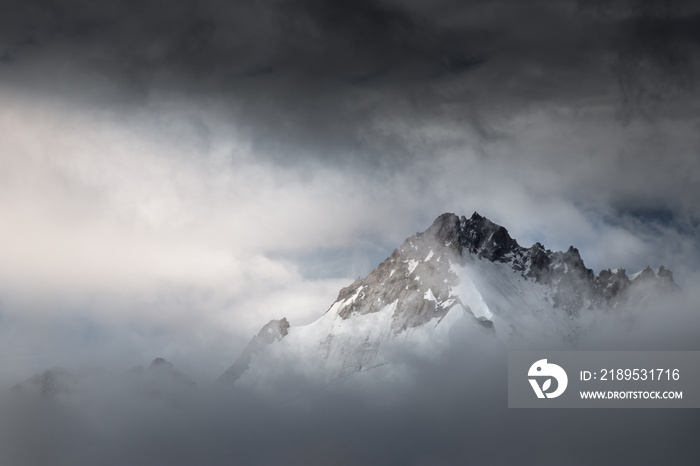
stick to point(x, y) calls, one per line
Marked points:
point(459, 273)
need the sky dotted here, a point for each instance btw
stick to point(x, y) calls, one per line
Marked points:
point(173, 175)
point(177, 175)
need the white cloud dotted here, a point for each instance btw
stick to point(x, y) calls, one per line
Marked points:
point(169, 219)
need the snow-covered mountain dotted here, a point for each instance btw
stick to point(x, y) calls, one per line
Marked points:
point(461, 273)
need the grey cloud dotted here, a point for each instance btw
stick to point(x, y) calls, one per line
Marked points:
point(454, 412)
point(317, 76)
point(378, 89)
point(319, 131)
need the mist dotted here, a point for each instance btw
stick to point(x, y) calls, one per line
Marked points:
point(173, 177)
point(451, 409)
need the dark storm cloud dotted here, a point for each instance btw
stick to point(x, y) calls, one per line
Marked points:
point(221, 41)
point(657, 53)
point(318, 76)
point(300, 72)
point(588, 103)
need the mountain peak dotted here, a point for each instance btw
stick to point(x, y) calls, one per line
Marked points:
point(160, 362)
point(273, 331)
point(456, 239)
point(476, 235)
point(460, 269)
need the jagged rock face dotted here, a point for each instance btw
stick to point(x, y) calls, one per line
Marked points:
point(573, 283)
point(418, 274)
point(477, 235)
point(611, 284)
point(458, 268)
point(420, 287)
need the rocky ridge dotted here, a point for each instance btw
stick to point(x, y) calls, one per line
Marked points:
point(445, 268)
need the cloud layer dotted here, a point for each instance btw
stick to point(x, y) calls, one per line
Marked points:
point(176, 175)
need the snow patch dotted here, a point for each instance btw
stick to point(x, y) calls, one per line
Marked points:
point(519, 307)
point(337, 306)
point(447, 303)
